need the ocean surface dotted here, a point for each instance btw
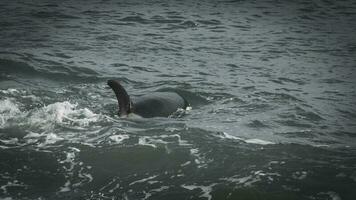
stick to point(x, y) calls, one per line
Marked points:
point(271, 86)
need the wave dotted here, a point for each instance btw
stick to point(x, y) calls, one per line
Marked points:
point(45, 125)
point(53, 71)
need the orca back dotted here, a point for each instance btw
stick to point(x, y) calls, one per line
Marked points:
point(158, 104)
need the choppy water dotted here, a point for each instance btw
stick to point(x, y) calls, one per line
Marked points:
point(271, 85)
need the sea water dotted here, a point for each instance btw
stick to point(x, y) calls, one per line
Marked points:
point(271, 86)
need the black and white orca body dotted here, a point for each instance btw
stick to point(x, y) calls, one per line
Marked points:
point(156, 104)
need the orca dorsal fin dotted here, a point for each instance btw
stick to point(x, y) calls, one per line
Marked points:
point(123, 99)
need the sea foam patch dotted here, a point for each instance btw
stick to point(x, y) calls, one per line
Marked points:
point(51, 138)
point(9, 91)
point(8, 110)
point(258, 141)
point(224, 135)
point(162, 140)
point(199, 158)
point(206, 190)
point(76, 172)
point(253, 177)
point(62, 113)
point(119, 138)
point(144, 180)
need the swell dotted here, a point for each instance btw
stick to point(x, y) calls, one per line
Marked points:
point(54, 71)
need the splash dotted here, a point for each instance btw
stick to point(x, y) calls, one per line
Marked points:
point(8, 110)
point(44, 126)
point(62, 113)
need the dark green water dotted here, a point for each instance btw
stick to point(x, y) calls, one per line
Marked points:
point(271, 86)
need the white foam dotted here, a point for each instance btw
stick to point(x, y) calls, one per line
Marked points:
point(9, 141)
point(162, 140)
point(144, 179)
point(332, 195)
point(228, 136)
point(9, 91)
point(320, 145)
point(254, 177)
point(33, 135)
point(8, 110)
point(145, 141)
point(152, 182)
point(62, 113)
point(117, 186)
point(299, 175)
point(70, 160)
point(54, 112)
point(86, 176)
point(258, 141)
point(251, 141)
point(181, 142)
point(65, 187)
point(245, 181)
point(147, 194)
point(206, 190)
point(74, 149)
point(155, 140)
point(49, 138)
point(46, 118)
point(13, 183)
point(33, 138)
point(76, 173)
point(52, 138)
point(32, 97)
point(159, 189)
point(185, 164)
point(109, 184)
point(119, 138)
point(200, 160)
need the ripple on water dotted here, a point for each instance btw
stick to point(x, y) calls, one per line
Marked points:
point(53, 15)
point(257, 124)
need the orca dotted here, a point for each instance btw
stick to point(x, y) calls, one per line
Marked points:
point(155, 104)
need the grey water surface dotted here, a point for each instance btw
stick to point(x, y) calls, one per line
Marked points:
point(271, 86)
